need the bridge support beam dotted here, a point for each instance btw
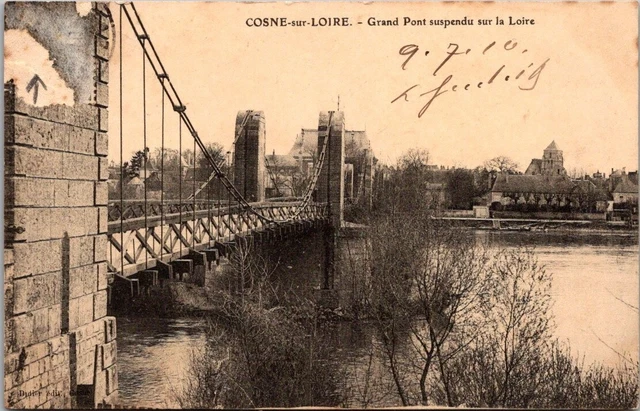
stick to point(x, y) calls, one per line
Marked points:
point(249, 155)
point(56, 197)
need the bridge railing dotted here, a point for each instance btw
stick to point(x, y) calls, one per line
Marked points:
point(170, 230)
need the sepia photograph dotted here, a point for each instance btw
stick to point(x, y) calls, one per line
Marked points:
point(376, 204)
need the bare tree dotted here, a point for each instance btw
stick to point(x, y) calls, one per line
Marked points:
point(502, 164)
point(273, 353)
point(428, 278)
point(507, 356)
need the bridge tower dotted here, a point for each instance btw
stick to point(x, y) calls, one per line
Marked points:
point(330, 186)
point(368, 179)
point(249, 155)
point(59, 348)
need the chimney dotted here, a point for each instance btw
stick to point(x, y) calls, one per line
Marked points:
point(274, 153)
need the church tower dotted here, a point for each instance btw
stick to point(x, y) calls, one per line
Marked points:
point(552, 161)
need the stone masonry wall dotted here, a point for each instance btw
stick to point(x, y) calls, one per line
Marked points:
point(59, 341)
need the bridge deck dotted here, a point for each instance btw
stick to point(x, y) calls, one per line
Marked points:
point(137, 242)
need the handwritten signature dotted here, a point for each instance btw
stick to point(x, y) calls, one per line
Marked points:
point(526, 79)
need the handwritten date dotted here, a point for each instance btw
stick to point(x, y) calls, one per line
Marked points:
point(526, 77)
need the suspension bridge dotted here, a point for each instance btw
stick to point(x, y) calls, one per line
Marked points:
point(166, 239)
point(72, 243)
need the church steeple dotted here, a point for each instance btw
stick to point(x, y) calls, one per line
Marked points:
point(552, 146)
point(552, 161)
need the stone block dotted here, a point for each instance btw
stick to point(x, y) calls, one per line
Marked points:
point(50, 135)
point(85, 309)
point(103, 281)
point(110, 330)
point(80, 193)
point(103, 119)
point(104, 26)
point(109, 353)
point(79, 166)
point(103, 67)
point(100, 305)
point(112, 379)
point(80, 251)
point(9, 271)
point(8, 299)
point(8, 256)
point(46, 323)
point(49, 257)
point(91, 220)
point(69, 220)
point(103, 220)
point(9, 122)
point(101, 193)
point(55, 320)
point(35, 221)
point(33, 162)
point(103, 167)
point(38, 133)
point(20, 191)
point(36, 352)
point(58, 344)
point(8, 382)
point(11, 362)
point(36, 292)
point(80, 115)
point(81, 140)
point(100, 386)
point(100, 248)
point(102, 144)
point(82, 281)
point(102, 95)
point(23, 326)
point(102, 48)
point(85, 374)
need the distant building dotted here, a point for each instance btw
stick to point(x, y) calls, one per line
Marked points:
point(626, 191)
point(533, 189)
point(357, 156)
point(551, 163)
point(283, 171)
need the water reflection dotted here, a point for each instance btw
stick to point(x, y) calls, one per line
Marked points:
point(153, 354)
point(595, 286)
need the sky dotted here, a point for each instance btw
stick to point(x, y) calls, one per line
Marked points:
point(580, 62)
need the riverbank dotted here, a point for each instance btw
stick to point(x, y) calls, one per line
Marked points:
point(532, 224)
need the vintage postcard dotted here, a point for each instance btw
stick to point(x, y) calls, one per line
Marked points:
point(321, 204)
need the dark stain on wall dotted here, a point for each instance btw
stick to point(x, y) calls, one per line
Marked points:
point(67, 36)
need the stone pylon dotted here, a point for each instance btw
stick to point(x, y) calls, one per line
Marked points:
point(330, 185)
point(249, 155)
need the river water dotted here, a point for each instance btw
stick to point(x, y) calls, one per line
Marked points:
point(595, 288)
